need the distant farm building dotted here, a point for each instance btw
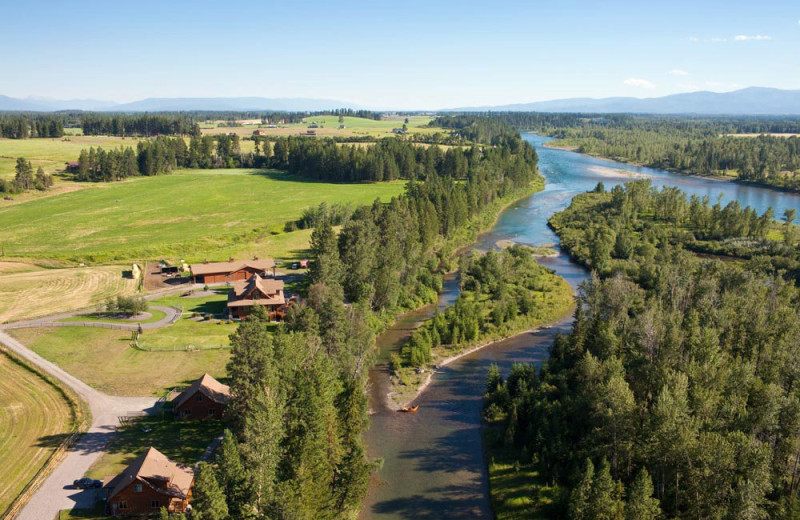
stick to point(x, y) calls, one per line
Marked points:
point(72, 167)
point(309, 132)
point(231, 271)
point(266, 292)
point(260, 131)
point(204, 399)
point(151, 482)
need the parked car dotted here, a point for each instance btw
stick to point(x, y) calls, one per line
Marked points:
point(295, 266)
point(87, 483)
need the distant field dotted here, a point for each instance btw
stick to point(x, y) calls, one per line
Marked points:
point(329, 126)
point(191, 214)
point(104, 359)
point(34, 415)
point(767, 133)
point(27, 291)
point(52, 154)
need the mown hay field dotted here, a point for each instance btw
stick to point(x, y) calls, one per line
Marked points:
point(27, 291)
point(328, 126)
point(34, 418)
point(189, 214)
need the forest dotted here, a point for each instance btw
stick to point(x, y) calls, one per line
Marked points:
point(295, 448)
point(675, 394)
point(686, 144)
point(27, 126)
point(323, 159)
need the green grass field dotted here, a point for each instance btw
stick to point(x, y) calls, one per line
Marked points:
point(34, 417)
point(104, 359)
point(190, 215)
point(52, 154)
point(189, 330)
point(329, 126)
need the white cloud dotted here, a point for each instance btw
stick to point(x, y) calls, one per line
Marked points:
point(756, 37)
point(639, 83)
point(678, 72)
point(696, 39)
point(715, 40)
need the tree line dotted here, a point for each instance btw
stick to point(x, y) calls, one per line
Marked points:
point(30, 126)
point(299, 409)
point(675, 394)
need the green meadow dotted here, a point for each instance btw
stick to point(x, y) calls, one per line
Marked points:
point(190, 214)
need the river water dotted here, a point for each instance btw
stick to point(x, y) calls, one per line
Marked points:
point(433, 461)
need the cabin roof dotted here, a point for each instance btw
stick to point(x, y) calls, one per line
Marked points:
point(256, 291)
point(209, 387)
point(152, 465)
point(232, 267)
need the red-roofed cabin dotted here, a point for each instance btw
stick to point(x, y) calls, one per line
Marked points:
point(150, 482)
point(204, 399)
point(231, 271)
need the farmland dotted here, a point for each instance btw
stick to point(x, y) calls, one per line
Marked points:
point(329, 127)
point(33, 417)
point(51, 154)
point(28, 291)
point(190, 214)
point(104, 359)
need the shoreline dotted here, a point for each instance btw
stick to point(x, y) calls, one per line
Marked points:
point(447, 361)
point(711, 177)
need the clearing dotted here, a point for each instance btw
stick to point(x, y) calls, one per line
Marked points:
point(34, 417)
point(189, 214)
point(104, 359)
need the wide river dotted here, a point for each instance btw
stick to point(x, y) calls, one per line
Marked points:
point(433, 461)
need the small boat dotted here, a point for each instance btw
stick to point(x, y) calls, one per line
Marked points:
point(410, 409)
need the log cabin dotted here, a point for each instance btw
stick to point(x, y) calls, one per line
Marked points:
point(266, 292)
point(150, 482)
point(204, 399)
point(232, 270)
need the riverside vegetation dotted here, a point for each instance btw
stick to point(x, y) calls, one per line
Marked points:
point(299, 408)
point(675, 394)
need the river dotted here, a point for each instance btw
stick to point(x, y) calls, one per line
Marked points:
point(433, 461)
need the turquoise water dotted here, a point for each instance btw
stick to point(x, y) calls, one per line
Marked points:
point(434, 465)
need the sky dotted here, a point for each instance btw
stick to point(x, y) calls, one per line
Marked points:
point(387, 54)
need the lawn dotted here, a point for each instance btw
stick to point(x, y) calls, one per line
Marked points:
point(104, 317)
point(34, 417)
point(191, 330)
point(329, 127)
point(188, 215)
point(104, 359)
point(180, 441)
point(52, 154)
point(28, 291)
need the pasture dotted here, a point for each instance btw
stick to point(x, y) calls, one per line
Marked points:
point(52, 154)
point(328, 126)
point(34, 415)
point(104, 359)
point(190, 214)
point(29, 291)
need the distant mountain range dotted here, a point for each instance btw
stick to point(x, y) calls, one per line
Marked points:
point(174, 104)
point(748, 101)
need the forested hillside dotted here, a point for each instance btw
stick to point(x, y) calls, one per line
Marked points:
point(295, 448)
point(675, 395)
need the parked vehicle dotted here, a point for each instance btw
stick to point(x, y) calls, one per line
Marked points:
point(87, 483)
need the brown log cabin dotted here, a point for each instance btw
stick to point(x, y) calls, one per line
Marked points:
point(232, 270)
point(266, 292)
point(204, 399)
point(151, 482)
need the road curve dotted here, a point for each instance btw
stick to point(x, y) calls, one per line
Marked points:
point(56, 493)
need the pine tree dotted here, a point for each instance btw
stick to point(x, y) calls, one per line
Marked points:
point(208, 502)
point(640, 504)
point(579, 505)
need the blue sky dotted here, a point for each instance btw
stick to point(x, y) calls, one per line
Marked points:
point(405, 54)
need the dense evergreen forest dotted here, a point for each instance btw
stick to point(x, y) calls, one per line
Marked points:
point(675, 394)
point(19, 126)
point(295, 449)
point(324, 159)
point(704, 146)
